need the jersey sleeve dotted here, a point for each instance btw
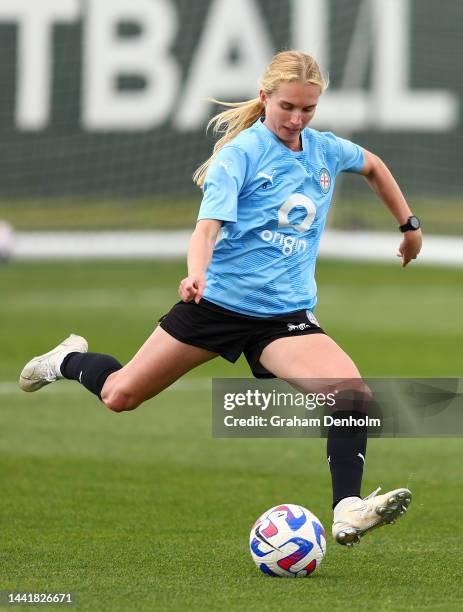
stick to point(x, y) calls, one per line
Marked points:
point(223, 183)
point(351, 157)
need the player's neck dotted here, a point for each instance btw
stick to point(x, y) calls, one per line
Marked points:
point(295, 145)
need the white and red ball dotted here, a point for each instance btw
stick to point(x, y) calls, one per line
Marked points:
point(287, 540)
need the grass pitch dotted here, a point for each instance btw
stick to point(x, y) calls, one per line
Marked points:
point(146, 511)
point(442, 217)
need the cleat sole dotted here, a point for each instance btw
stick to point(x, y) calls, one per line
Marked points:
point(397, 506)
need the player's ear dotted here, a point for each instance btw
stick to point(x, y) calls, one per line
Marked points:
point(263, 96)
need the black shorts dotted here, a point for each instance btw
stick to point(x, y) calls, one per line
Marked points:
point(229, 333)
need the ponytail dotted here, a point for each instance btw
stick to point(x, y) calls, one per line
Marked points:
point(230, 123)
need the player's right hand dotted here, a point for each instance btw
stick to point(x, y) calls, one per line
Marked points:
point(192, 287)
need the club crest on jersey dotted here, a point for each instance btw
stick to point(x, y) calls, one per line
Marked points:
point(325, 180)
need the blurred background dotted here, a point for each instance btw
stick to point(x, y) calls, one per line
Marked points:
point(103, 104)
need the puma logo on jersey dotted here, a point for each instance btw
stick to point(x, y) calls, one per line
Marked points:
point(264, 175)
point(225, 165)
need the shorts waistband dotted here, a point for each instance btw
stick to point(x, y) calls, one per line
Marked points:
point(226, 311)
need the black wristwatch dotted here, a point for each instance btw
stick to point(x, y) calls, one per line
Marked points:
point(413, 223)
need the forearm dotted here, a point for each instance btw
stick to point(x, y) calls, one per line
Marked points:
point(200, 249)
point(199, 252)
point(385, 186)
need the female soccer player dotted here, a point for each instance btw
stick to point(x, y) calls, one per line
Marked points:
point(267, 188)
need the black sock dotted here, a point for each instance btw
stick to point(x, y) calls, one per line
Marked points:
point(90, 369)
point(346, 446)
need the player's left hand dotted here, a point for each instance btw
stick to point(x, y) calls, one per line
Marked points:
point(410, 246)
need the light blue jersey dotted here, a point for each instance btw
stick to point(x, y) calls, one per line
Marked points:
point(273, 203)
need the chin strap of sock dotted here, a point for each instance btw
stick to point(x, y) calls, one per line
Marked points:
point(346, 444)
point(90, 369)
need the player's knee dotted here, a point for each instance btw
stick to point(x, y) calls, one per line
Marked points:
point(355, 397)
point(119, 400)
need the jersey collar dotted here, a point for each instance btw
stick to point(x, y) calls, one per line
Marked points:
point(264, 130)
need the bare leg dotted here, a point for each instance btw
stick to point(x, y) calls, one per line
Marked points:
point(309, 361)
point(160, 361)
point(315, 363)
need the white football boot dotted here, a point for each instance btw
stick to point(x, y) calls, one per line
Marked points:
point(354, 517)
point(45, 369)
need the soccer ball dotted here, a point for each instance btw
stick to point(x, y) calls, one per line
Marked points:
point(287, 540)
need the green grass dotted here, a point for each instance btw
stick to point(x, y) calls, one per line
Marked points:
point(444, 216)
point(82, 215)
point(146, 511)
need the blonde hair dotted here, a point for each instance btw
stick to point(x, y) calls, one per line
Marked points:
point(285, 66)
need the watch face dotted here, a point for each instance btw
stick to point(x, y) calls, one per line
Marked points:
point(414, 222)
